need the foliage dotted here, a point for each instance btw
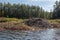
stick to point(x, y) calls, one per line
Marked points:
point(56, 12)
point(25, 11)
point(22, 11)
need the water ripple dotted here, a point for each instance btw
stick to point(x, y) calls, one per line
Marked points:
point(49, 34)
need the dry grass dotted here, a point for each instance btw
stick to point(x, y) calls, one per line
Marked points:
point(2, 19)
point(54, 21)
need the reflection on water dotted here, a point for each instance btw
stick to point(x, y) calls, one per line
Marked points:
point(49, 34)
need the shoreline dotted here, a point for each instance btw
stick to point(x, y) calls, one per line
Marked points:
point(19, 25)
point(25, 29)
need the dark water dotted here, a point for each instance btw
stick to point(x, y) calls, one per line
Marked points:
point(49, 34)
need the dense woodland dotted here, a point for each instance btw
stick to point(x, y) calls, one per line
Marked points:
point(26, 11)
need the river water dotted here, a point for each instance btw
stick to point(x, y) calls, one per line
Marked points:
point(48, 34)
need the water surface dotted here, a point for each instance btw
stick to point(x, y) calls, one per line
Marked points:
point(48, 34)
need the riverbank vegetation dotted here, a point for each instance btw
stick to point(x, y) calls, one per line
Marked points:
point(13, 16)
point(22, 24)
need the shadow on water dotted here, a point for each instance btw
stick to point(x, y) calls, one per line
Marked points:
point(49, 34)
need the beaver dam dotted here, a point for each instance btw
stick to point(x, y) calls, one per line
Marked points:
point(38, 22)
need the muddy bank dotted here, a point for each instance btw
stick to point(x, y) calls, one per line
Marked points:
point(13, 26)
point(16, 26)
